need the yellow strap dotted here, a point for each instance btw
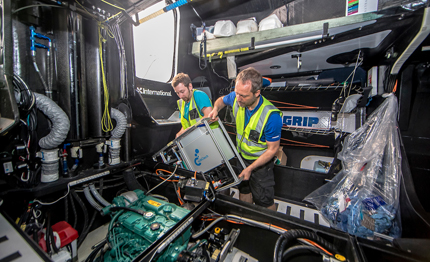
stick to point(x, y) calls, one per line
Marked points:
point(149, 17)
point(113, 5)
point(106, 120)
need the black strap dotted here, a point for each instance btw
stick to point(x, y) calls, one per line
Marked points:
point(203, 50)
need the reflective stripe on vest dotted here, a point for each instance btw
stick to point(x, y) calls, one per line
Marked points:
point(186, 122)
point(252, 149)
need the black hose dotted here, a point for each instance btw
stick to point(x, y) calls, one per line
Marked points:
point(290, 250)
point(140, 212)
point(293, 234)
point(131, 181)
point(75, 221)
point(277, 245)
point(85, 211)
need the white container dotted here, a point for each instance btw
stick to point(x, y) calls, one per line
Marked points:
point(247, 26)
point(224, 28)
point(270, 22)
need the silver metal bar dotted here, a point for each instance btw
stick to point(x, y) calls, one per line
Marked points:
point(291, 41)
point(231, 144)
point(229, 185)
point(162, 157)
point(177, 156)
point(236, 179)
point(184, 156)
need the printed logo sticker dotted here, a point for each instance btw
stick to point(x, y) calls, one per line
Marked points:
point(198, 160)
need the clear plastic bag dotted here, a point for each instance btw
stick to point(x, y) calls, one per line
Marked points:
point(363, 198)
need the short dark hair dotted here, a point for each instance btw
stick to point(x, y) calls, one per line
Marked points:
point(252, 75)
point(181, 78)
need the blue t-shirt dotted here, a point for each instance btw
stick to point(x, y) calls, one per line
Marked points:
point(273, 128)
point(202, 100)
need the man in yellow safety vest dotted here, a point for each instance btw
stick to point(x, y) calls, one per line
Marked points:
point(193, 104)
point(258, 135)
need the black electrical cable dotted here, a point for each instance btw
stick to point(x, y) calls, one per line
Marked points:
point(140, 212)
point(47, 234)
point(66, 209)
point(289, 251)
point(291, 235)
point(177, 194)
point(53, 242)
point(85, 211)
point(26, 97)
point(93, 254)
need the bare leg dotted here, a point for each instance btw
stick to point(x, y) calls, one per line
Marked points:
point(246, 197)
point(272, 207)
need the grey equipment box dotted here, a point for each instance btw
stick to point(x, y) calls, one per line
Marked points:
point(202, 148)
point(200, 151)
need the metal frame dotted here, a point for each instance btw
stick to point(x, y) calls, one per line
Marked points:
point(206, 122)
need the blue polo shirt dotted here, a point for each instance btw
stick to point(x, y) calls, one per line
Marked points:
point(202, 100)
point(273, 128)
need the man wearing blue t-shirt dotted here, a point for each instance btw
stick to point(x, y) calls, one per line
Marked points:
point(193, 104)
point(258, 134)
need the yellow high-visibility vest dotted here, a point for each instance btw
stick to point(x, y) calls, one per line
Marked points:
point(187, 122)
point(248, 138)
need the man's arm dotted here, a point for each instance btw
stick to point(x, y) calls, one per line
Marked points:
point(272, 148)
point(219, 104)
point(180, 132)
point(206, 111)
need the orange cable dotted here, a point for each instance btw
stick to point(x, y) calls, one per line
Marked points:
point(300, 143)
point(285, 103)
point(395, 87)
point(271, 225)
point(315, 146)
point(301, 107)
point(156, 172)
point(179, 197)
point(318, 246)
point(195, 173)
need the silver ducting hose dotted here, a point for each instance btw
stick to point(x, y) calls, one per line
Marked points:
point(114, 142)
point(98, 196)
point(121, 123)
point(91, 200)
point(60, 122)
